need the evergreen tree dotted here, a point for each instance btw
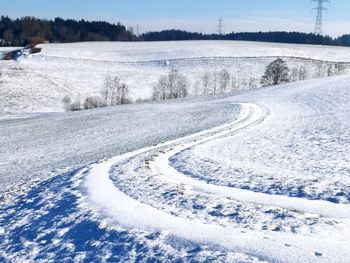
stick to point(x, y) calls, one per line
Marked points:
point(19, 32)
point(28, 30)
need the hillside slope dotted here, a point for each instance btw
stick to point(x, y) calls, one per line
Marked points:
point(164, 201)
point(78, 70)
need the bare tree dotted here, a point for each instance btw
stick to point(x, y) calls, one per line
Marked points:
point(234, 84)
point(330, 70)
point(92, 102)
point(224, 79)
point(294, 74)
point(335, 69)
point(206, 82)
point(276, 72)
point(320, 70)
point(252, 83)
point(123, 91)
point(106, 91)
point(196, 87)
point(114, 92)
point(177, 85)
point(215, 81)
point(173, 86)
point(160, 91)
point(339, 69)
point(302, 73)
point(243, 83)
point(66, 100)
point(76, 105)
point(110, 90)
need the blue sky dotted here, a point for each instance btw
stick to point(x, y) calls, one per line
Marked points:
point(195, 15)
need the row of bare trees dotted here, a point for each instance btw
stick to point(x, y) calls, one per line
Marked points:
point(176, 85)
point(216, 82)
point(278, 72)
point(114, 92)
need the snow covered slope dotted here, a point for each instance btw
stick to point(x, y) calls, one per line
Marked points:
point(173, 201)
point(38, 145)
point(147, 51)
point(39, 83)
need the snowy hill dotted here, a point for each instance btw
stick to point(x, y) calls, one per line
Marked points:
point(39, 83)
point(258, 177)
point(148, 51)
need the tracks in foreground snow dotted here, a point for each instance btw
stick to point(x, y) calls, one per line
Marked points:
point(136, 211)
point(133, 208)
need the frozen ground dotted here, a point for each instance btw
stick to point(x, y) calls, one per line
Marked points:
point(266, 161)
point(166, 202)
point(39, 83)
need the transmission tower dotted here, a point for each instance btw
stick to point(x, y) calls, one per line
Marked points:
point(137, 30)
point(319, 18)
point(220, 26)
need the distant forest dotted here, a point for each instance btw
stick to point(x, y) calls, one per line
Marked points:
point(31, 30)
point(278, 37)
point(26, 30)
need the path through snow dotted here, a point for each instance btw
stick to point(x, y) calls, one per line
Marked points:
point(160, 204)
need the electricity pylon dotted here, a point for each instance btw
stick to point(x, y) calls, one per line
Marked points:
point(137, 30)
point(319, 18)
point(220, 26)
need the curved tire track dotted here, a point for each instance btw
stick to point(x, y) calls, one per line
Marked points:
point(106, 199)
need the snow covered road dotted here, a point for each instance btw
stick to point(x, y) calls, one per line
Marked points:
point(270, 185)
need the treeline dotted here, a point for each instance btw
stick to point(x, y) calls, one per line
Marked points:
point(27, 30)
point(113, 93)
point(278, 37)
point(23, 31)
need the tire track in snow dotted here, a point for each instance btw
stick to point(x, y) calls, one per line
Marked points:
point(119, 208)
point(161, 166)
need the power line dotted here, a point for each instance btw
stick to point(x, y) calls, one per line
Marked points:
point(319, 18)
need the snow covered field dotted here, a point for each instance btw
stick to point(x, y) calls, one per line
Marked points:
point(264, 177)
point(39, 83)
point(259, 175)
point(148, 51)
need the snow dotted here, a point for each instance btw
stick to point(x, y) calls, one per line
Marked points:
point(141, 207)
point(38, 83)
point(148, 51)
point(36, 146)
point(133, 214)
point(305, 153)
point(323, 208)
point(262, 176)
